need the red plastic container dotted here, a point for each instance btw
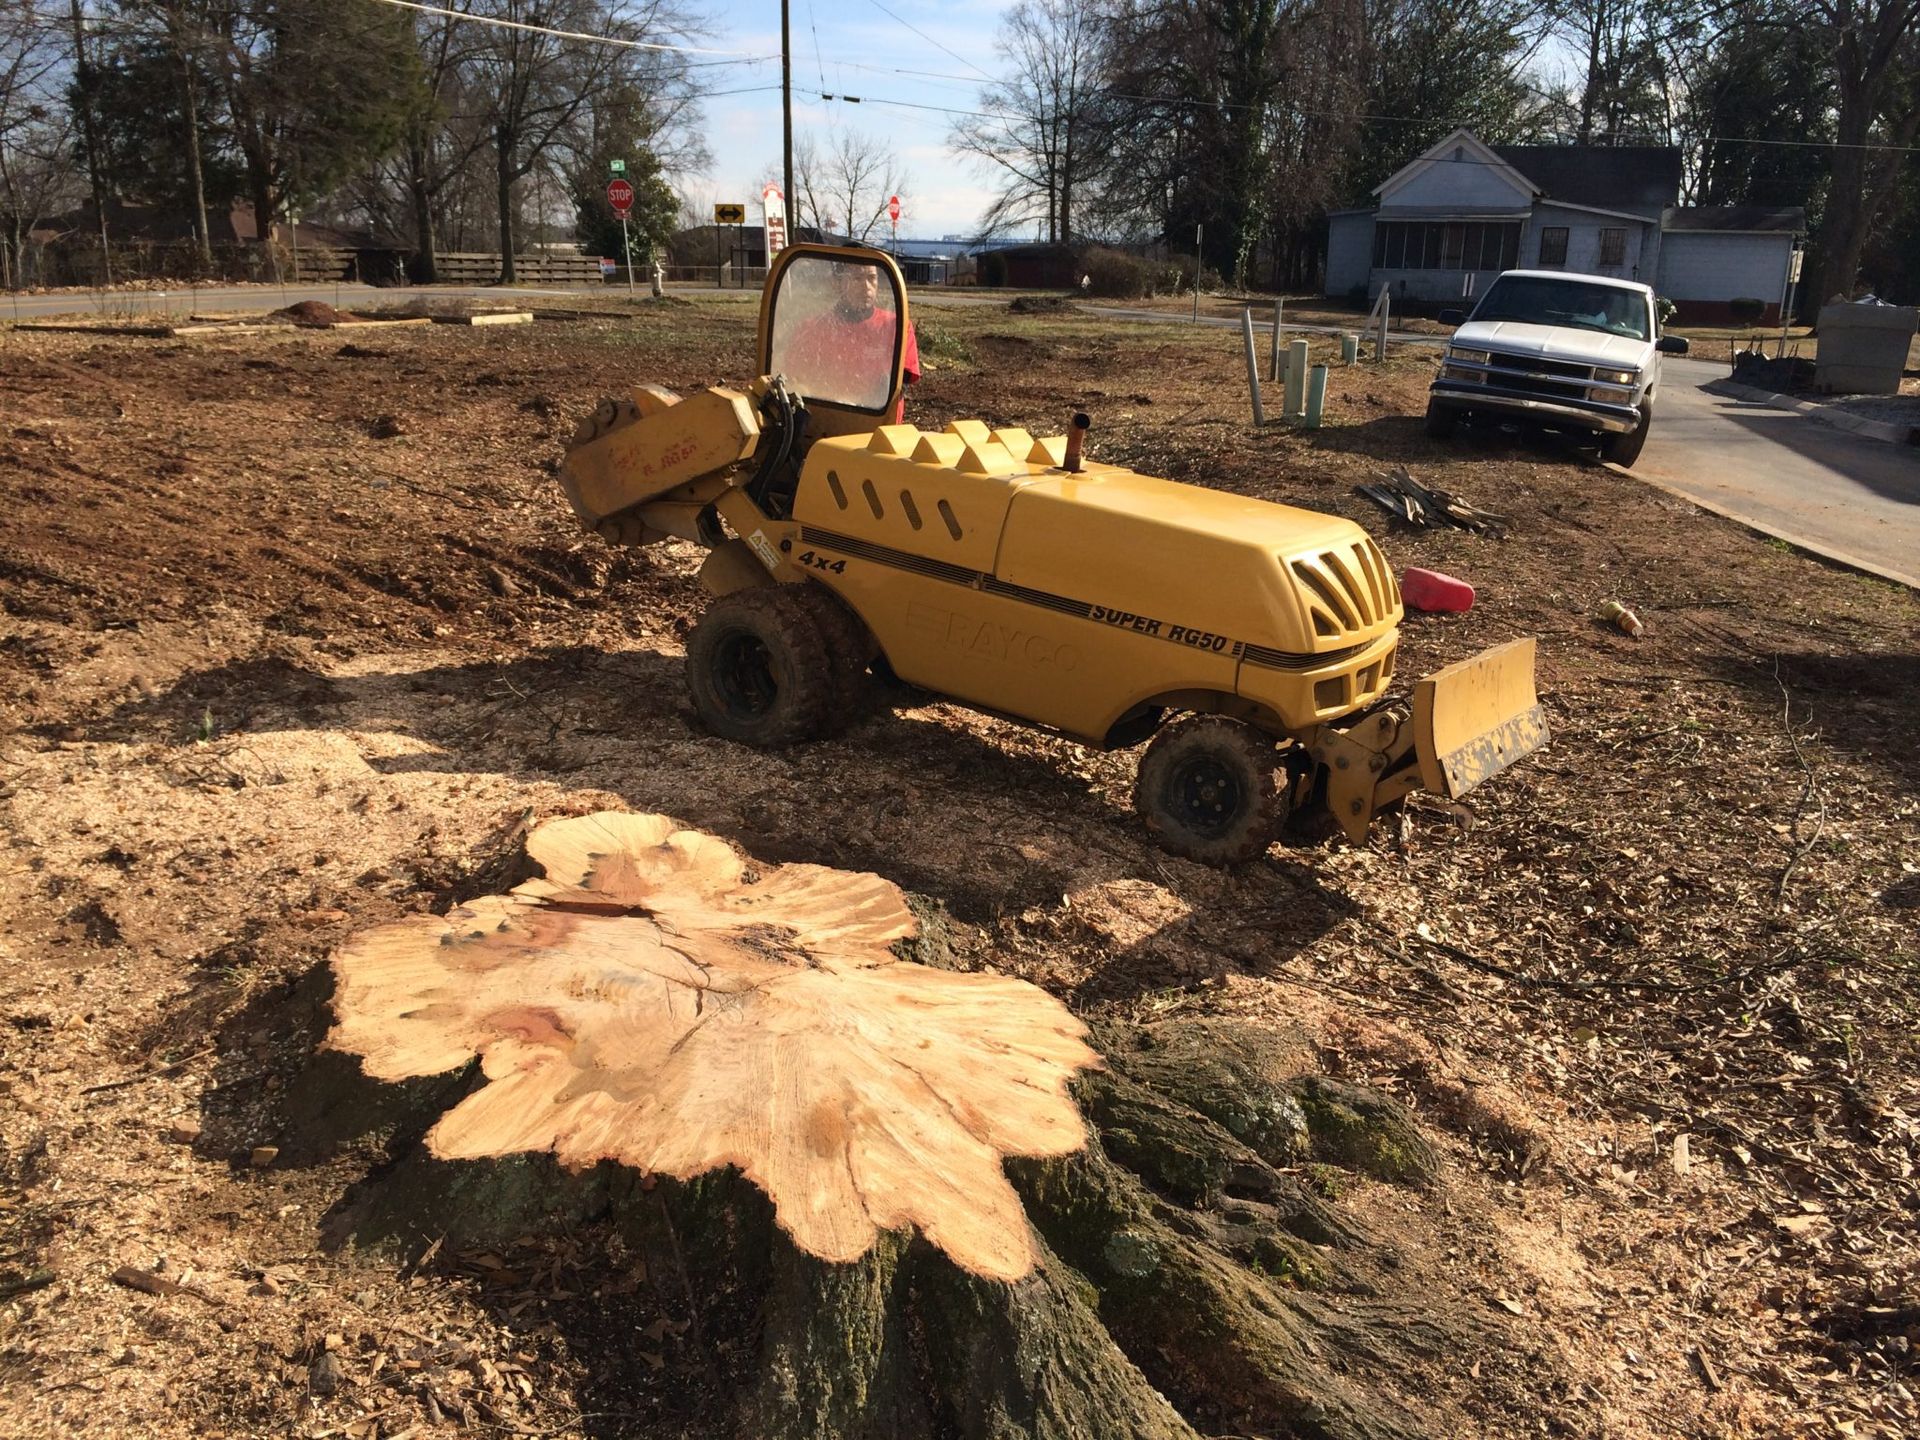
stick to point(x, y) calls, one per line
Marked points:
point(1432, 590)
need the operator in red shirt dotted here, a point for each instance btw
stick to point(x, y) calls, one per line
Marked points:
point(846, 351)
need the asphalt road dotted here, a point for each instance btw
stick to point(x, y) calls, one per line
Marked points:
point(232, 299)
point(1840, 495)
point(240, 299)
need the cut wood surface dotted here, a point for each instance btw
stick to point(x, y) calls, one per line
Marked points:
point(647, 1002)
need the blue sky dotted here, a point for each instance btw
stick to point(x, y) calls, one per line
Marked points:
point(853, 47)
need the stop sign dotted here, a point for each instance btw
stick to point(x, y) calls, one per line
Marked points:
point(620, 197)
point(893, 207)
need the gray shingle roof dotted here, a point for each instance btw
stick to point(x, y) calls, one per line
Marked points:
point(1643, 178)
point(1789, 218)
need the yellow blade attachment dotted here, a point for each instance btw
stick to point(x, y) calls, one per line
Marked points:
point(1473, 719)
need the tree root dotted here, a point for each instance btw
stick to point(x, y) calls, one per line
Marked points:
point(1196, 1275)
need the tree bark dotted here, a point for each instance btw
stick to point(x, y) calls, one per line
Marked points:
point(90, 133)
point(504, 142)
point(420, 195)
point(260, 182)
point(1189, 1280)
point(189, 93)
point(1867, 52)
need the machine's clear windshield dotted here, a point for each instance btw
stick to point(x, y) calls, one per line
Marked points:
point(836, 331)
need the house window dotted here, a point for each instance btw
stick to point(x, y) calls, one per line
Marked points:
point(1553, 245)
point(1613, 247)
point(1445, 245)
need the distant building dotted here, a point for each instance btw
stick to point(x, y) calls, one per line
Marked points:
point(1035, 265)
point(1445, 224)
point(740, 253)
point(151, 240)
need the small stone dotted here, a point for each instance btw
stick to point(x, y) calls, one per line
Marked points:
point(263, 1156)
point(323, 1376)
point(183, 1131)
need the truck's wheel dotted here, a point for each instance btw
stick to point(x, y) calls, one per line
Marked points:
point(759, 670)
point(1441, 419)
point(1208, 791)
point(1623, 450)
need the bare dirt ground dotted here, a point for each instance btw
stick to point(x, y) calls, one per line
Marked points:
point(298, 636)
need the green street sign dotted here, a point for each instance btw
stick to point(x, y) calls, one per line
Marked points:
point(616, 167)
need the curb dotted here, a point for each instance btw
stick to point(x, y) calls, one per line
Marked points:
point(1819, 549)
point(1884, 430)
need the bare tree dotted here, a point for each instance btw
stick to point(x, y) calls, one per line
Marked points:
point(1035, 137)
point(1197, 91)
point(315, 90)
point(845, 185)
point(1875, 45)
point(192, 35)
point(1621, 90)
point(36, 133)
point(442, 132)
point(540, 85)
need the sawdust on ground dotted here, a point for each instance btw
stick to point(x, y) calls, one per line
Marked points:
point(270, 680)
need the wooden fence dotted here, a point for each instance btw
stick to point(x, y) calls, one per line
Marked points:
point(483, 268)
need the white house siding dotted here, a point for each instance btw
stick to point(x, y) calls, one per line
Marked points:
point(1583, 229)
point(1349, 252)
point(1708, 268)
point(1466, 186)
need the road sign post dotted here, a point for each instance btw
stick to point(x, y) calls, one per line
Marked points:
point(726, 214)
point(620, 197)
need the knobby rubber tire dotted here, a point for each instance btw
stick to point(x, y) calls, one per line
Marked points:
point(759, 669)
point(1201, 762)
point(850, 650)
point(1623, 450)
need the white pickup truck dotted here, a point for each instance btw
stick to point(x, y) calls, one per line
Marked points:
point(1571, 352)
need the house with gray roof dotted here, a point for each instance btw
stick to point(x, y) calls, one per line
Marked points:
point(1442, 226)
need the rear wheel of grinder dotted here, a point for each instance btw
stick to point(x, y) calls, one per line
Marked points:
point(1208, 791)
point(759, 670)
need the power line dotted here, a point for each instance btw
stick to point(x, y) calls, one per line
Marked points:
point(744, 57)
point(1204, 103)
point(567, 34)
point(819, 66)
point(933, 42)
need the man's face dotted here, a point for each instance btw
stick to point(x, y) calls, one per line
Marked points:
point(858, 290)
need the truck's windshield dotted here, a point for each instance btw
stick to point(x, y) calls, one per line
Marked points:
point(1550, 300)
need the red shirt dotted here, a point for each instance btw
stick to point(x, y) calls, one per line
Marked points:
point(830, 342)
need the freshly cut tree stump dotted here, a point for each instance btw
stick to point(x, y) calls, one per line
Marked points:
point(733, 1072)
point(644, 1003)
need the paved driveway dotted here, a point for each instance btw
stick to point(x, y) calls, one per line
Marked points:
point(1850, 498)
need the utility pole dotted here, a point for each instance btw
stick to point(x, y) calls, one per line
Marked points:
point(90, 133)
point(786, 113)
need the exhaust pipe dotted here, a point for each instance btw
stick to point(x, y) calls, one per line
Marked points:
point(1076, 437)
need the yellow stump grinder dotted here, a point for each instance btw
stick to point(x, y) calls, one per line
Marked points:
point(1249, 645)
